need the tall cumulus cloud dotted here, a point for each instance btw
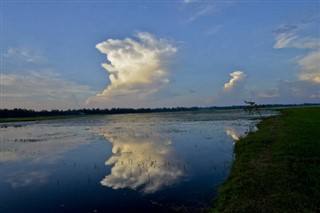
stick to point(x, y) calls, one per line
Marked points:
point(135, 66)
point(236, 80)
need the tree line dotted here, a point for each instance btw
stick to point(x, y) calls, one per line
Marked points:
point(18, 112)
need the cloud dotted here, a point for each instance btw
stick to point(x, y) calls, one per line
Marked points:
point(25, 54)
point(189, 1)
point(236, 80)
point(287, 37)
point(299, 91)
point(41, 90)
point(141, 161)
point(269, 94)
point(233, 92)
point(286, 29)
point(310, 67)
point(203, 11)
point(137, 66)
point(285, 40)
point(214, 30)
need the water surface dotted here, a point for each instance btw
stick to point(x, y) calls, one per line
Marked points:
point(156, 162)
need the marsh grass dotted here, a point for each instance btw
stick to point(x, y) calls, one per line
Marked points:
point(277, 168)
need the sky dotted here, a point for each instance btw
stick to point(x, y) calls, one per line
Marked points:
point(141, 54)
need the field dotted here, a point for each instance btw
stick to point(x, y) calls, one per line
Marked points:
point(277, 168)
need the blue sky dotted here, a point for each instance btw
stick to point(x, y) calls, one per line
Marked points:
point(158, 53)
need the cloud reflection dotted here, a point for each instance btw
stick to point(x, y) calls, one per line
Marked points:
point(141, 162)
point(232, 134)
point(21, 179)
point(40, 143)
point(236, 131)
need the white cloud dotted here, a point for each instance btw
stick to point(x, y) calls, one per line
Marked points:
point(41, 90)
point(287, 37)
point(310, 67)
point(283, 40)
point(189, 1)
point(25, 54)
point(236, 80)
point(234, 91)
point(288, 40)
point(137, 66)
point(200, 9)
point(214, 30)
point(269, 94)
point(203, 11)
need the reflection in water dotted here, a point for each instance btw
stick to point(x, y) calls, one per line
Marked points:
point(8, 156)
point(232, 133)
point(41, 143)
point(33, 178)
point(40, 146)
point(236, 131)
point(174, 159)
point(142, 161)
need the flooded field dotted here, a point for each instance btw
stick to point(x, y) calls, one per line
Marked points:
point(157, 162)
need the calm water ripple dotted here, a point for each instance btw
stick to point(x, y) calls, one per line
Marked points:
point(157, 162)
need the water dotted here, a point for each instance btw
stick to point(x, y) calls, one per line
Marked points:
point(157, 162)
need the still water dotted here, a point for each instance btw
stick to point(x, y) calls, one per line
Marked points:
point(157, 162)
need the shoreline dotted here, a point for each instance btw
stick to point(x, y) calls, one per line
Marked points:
point(277, 168)
point(40, 118)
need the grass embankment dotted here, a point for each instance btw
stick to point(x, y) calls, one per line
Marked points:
point(6, 120)
point(277, 168)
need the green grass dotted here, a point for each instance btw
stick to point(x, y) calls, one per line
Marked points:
point(277, 168)
point(6, 120)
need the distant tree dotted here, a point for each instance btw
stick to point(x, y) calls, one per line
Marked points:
point(252, 107)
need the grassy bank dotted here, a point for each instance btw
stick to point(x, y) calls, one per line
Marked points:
point(276, 169)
